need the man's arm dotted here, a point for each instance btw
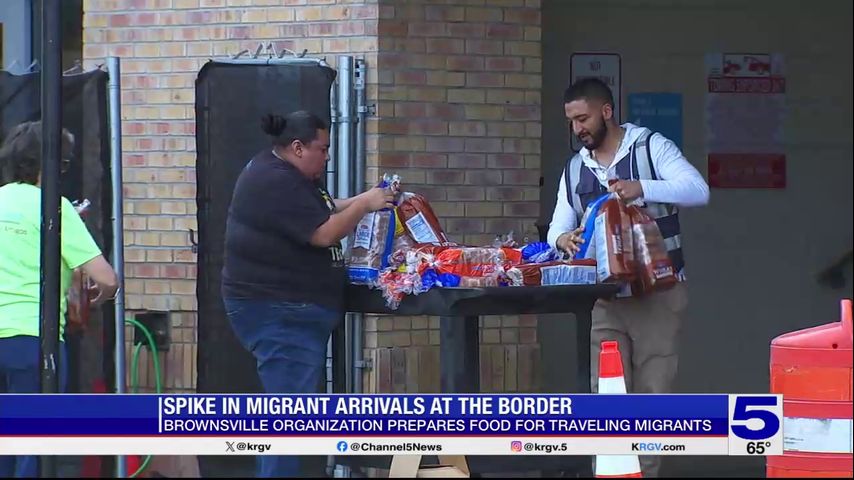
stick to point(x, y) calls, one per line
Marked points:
point(680, 183)
point(564, 218)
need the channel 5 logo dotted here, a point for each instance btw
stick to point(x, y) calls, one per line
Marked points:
point(755, 417)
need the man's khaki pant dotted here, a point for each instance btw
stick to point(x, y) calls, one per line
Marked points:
point(646, 329)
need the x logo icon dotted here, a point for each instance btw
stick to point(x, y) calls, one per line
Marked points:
point(229, 446)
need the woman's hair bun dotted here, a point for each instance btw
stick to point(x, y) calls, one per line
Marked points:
point(273, 125)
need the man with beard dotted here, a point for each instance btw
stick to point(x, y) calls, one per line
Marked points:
point(636, 164)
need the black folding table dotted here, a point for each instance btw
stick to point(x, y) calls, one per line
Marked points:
point(459, 310)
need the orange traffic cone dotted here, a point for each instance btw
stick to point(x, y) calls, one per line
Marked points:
point(611, 381)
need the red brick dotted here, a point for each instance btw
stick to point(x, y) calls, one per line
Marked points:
point(506, 160)
point(427, 29)
point(392, 160)
point(444, 13)
point(387, 11)
point(529, 16)
point(236, 33)
point(202, 17)
point(429, 160)
point(483, 145)
point(411, 77)
point(484, 79)
point(446, 111)
point(467, 160)
point(174, 271)
point(393, 126)
point(120, 20)
point(466, 95)
point(533, 98)
point(522, 209)
point(446, 79)
point(466, 63)
point(465, 193)
point(505, 96)
point(364, 11)
point(445, 144)
point(392, 60)
point(431, 193)
point(145, 271)
point(483, 177)
point(476, 14)
point(504, 64)
point(445, 45)
point(396, 28)
point(410, 109)
point(322, 29)
point(467, 30)
point(528, 335)
point(485, 47)
point(446, 177)
point(523, 49)
point(504, 31)
point(497, 225)
point(523, 145)
point(371, 29)
point(471, 129)
point(428, 127)
point(465, 225)
point(521, 80)
point(522, 177)
point(527, 320)
point(522, 113)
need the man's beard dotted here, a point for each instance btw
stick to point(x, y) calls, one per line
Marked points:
point(596, 138)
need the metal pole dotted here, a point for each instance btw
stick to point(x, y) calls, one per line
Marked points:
point(51, 226)
point(359, 181)
point(344, 171)
point(330, 186)
point(345, 122)
point(115, 91)
point(332, 164)
point(361, 113)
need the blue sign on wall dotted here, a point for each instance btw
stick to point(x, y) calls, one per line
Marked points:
point(660, 112)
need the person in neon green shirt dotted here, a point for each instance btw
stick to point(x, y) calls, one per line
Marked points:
point(20, 276)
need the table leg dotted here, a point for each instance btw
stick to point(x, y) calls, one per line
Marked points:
point(459, 351)
point(584, 322)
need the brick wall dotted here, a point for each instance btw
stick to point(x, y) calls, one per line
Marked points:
point(457, 89)
point(163, 43)
point(459, 119)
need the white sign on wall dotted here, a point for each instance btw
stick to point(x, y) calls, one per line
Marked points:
point(604, 66)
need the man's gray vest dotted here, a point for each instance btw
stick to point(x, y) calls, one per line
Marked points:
point(583, 187)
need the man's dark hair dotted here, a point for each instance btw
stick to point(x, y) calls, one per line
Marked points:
point(21, 153)
point(589, 89)
point(301, 125)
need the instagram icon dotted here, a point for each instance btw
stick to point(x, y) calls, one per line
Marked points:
point(516, 446)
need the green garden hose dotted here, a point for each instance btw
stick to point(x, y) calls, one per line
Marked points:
point(134, 376)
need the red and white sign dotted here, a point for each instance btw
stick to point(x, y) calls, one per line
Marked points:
point(745, 112)
point(734, 170)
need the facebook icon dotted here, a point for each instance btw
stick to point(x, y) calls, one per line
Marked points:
point(342, 446)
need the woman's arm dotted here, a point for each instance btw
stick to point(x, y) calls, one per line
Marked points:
point(341, 204)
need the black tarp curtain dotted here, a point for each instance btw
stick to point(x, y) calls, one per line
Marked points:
point(85, 115)
point(231, 99)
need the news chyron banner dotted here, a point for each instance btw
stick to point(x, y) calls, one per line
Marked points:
point(41, 424)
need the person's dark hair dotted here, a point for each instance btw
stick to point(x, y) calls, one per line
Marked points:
point(589, 89)
point(300, 125)
point(21, 153)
